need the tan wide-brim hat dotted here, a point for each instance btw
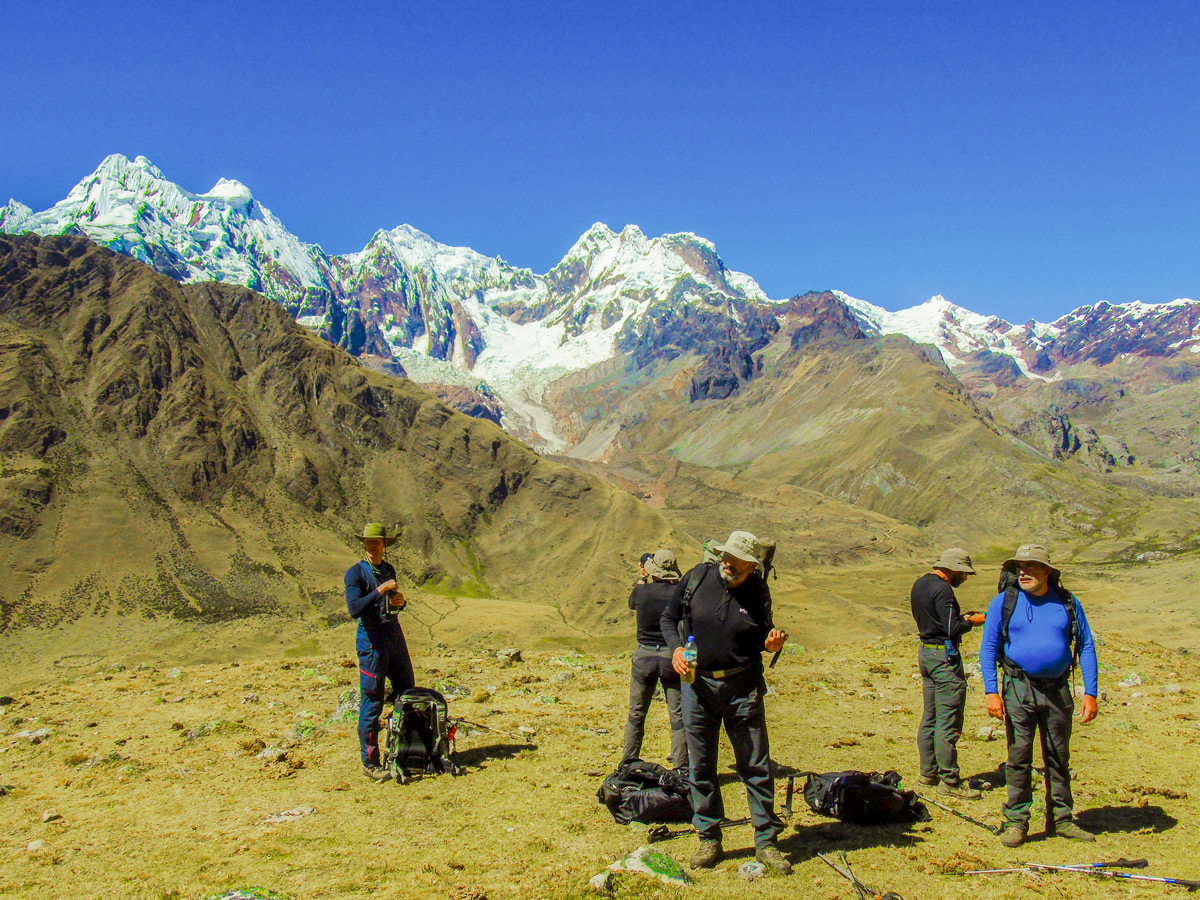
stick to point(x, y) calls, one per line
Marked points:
point(377, 531)
point(1032, 553)
point(956, 559)
point(744, 546)
point(663, 566)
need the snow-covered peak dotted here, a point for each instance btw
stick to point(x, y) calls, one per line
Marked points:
point(13, 216)
point(233, 192)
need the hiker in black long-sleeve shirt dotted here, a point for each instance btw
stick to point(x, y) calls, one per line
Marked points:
point(730, 619)
point(944, 682)
point(652, 658)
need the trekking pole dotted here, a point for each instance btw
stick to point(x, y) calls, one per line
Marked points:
point(994, 829)
point(1121, 863)
point(1190, 885)
point(520, 737)
point(864, 892)
point(664, 833)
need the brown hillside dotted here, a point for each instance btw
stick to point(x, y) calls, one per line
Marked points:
point(189, 452)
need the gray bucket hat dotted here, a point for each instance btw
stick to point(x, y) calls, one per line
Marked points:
point(956, 559)
point(1032, 553)
point(377, 530)
point(744, 546)
point(663, 566)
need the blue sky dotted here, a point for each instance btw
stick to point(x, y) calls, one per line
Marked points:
point(1022, 159)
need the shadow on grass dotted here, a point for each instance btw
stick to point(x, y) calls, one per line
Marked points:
point(477, 757)
point(1108, 819)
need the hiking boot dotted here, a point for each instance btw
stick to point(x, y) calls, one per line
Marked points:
point(1013, 836)
point(377, 772)
point(927, 780)
point(960, 790)
point(1073, 832)
point(707, 855)
point(769, 856)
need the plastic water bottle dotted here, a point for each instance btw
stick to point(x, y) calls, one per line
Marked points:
point(689, 656)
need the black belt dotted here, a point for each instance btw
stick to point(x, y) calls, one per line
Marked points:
point(653, 646)
point(1021, 675)
point(722, 673)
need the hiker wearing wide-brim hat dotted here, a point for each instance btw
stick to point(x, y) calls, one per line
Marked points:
point(651, 664)
point(941, 626)
point(662, 566)
point(373, 598)
point(1034, 553)
point(726, 608)
point(1035, 632)
point(375, 531)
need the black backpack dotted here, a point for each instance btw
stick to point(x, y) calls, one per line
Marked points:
point(646, 792)
point(419, 736)
point(1011, 589)
point(864, 798)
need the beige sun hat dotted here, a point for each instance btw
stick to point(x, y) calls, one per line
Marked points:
point(376, 530)
point(663, 566)
point(956, 559)
point(744, 546)
point(1032, 553)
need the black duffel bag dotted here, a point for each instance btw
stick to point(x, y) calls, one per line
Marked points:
point(864, 798)
point(646, 792)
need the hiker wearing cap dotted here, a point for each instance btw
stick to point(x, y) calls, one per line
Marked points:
point(1035, 631)
point(727, 609)
point(941, 626)
point(372, 598)
point(652, 659)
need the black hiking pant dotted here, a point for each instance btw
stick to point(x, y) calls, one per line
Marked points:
point(1034, 706)
point(944, 686)
point(652, 666)
point(737, 703)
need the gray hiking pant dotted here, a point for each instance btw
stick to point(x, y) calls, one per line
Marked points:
point(1043, 706)
point(944, 685)
point(651, 666)
point(737, 703)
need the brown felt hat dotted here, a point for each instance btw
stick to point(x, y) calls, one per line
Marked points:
point(956, 559)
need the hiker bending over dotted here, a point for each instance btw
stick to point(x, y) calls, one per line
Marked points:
point(727, 608)
point(652, 659)
point(1036, 631)
point(372, 598)
point(943, 681)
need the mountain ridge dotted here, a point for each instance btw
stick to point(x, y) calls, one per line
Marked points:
point(456, 319)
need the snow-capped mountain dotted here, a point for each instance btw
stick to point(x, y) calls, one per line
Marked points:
point(1099, 334)
point(452, 316)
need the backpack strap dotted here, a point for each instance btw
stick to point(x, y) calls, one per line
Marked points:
point(1065, 597)
point(694, 580)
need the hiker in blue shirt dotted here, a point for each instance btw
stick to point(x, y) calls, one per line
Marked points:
point(372, 598)
point(1036, 649)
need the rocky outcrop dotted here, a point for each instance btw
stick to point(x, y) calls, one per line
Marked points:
point(1053, 432)
point(820, 315)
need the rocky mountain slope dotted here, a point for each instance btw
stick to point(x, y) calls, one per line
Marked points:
point(191, 451)
point(839, 417)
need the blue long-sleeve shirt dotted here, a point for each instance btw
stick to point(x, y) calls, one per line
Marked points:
point(1039, 641)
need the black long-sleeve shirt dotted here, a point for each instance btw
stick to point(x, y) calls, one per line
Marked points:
point(935, 609)
point(649, 600)
point(730, 624)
